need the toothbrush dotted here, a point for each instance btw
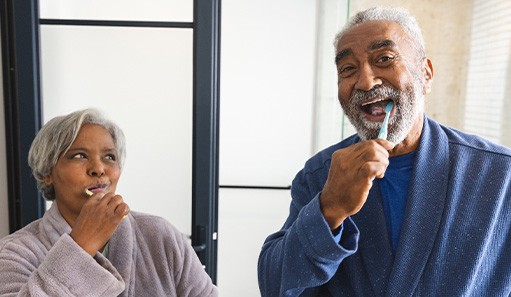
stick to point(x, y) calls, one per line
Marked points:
point(383, 129)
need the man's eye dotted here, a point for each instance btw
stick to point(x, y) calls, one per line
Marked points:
point(111, 157)
point(385, 59)
point(346, 70)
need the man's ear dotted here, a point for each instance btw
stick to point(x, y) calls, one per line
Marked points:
point(427, 68)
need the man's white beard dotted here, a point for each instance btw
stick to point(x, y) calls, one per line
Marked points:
point(409, 104)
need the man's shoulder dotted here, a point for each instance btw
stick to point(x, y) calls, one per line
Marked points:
point(475, 144)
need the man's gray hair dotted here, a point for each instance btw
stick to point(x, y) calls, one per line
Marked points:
point(57, 135)
point(394, 14)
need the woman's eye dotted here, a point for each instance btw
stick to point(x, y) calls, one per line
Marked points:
point(79, 156)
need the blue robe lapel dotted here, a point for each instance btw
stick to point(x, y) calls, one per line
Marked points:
point(425, 205)
point(374, 245)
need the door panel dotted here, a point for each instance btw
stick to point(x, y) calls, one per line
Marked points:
point(246, 218)
point(126, 10)
point(142, 79)
point(267, 90)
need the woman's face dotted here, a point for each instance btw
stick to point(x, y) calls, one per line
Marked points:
point(89, 164)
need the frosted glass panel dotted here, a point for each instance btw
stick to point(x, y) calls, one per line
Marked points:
point(267, 82)
point(142, 79)
point(246, 218)
point(132, 10)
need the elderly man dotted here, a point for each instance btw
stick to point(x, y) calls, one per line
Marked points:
point(425, 212)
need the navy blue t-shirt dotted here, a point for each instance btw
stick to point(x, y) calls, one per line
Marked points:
point(394, 189)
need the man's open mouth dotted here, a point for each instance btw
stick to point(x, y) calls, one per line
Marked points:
point(375, 108)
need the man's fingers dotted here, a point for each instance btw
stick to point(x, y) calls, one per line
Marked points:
point(370, 170)
point(385, 144)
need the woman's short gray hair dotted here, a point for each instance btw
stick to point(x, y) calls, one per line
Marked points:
point(394, 14)
point(56, 137)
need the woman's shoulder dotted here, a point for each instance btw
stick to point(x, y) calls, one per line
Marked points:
point(147, 218)
point(24, 241)
point(153, 225)
point(154, 233)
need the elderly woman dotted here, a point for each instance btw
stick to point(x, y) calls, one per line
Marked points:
point(89, 243)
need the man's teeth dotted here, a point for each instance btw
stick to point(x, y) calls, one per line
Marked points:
point(372, 102)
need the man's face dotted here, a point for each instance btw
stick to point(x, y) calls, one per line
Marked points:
point(376, 63)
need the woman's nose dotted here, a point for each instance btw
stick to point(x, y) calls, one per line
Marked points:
point(96, 168)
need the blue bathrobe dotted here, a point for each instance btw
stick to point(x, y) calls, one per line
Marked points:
point(455, 239)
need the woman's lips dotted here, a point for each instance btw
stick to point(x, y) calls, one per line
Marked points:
point(96, 189)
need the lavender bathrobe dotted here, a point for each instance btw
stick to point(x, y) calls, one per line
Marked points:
point(148, 257)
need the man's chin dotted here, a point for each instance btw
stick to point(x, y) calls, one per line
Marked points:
point(366, 134)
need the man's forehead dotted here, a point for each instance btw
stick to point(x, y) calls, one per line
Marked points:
point(370, 36)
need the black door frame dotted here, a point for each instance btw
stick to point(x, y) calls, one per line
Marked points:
point(21, 77)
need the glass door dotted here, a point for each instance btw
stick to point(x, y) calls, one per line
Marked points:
point(128, 60)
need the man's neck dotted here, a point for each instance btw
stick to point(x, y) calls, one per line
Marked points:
point(411, 142)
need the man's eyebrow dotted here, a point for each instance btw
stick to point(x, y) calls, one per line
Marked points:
point(382, 43)
point(343, 54)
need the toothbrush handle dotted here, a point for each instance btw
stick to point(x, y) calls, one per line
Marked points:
point(383, 129)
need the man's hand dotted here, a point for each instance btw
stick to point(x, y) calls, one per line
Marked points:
point(351, 175)
point(97, 221)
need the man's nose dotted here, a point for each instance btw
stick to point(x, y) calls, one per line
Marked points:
point(367, 78)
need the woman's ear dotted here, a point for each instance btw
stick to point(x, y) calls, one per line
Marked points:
point(427, 67)
point(47, 180)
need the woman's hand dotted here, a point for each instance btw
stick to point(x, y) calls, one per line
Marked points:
point(97, 221)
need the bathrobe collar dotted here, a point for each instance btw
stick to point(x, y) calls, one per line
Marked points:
point(398, 274)
point(122, 244)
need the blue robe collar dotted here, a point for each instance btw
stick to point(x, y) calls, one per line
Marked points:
point(399, 274)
